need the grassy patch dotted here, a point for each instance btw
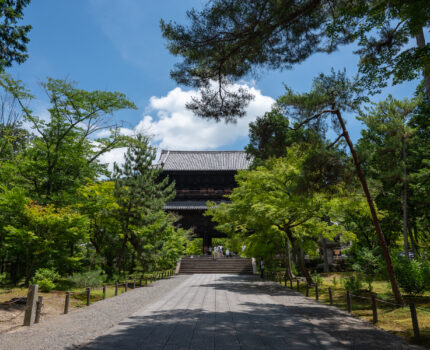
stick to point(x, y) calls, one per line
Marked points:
point(396, 320)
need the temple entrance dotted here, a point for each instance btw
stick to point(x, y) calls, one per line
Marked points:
point(201, 176)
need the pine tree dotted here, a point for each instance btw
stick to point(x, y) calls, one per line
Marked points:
point(141, 195)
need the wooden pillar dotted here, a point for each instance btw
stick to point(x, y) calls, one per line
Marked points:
point(30, 308)
point(38, 309)
point(374, 309)
point(66, 303)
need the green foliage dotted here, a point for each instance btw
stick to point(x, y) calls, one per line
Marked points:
point(368, 264)
point(227, 40)
point(45, 285)
point(318, 279)
point(194, 246)
point(45, 278)
point(269, 210)
point(140, 194)
point(55, 211)
point(354, 283)
point(92, 279)
point(412, 275)
point(334, 281)
point(14, 38)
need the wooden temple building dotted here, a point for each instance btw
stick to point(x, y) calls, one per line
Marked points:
point(201, 176)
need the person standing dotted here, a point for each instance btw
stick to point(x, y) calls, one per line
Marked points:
point(262, 268)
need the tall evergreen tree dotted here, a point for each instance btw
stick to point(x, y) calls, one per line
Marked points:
point(141, 194)
point(385, 141)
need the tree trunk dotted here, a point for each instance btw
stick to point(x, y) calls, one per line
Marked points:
point(381, 238)
point(288, 268)
point(413, 247)
point(300, 259)
point(421, 43)
point(324, 249)
point(405, 200)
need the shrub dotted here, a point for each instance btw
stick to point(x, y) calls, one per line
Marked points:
point(2, 278)
point(354, 284)
point(368, 263)
point(90, 279)
point(318, 279)
point(411, 275)
point(334, 282)
point(46, 285)
point(45, 279)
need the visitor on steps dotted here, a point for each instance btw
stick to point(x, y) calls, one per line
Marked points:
point(262, 268)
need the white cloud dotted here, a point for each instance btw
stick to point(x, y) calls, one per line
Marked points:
point(116, 155)
point(175, 128)
point(178, 128)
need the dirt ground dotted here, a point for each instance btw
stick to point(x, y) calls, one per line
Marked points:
point(12, 310)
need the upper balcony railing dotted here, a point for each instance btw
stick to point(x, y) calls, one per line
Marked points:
point(202, 193)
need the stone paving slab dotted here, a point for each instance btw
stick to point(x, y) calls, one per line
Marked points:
point(241, 312)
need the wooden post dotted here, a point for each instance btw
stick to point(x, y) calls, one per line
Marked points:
point(30, 308)
point(116, 288)
point(146, 281)
point(330, 296)
point(374, 309)
point(285, 280)
point(66, 302)
point(307, 289)
point(88, 296)
point(317, 297)
point(134, 284)
point(125, 286)
point(298, 285)
point(348, 300)
point(140, 282)
point(291, 284)
point(414, 320)
point(104, 291)
point(38, 309)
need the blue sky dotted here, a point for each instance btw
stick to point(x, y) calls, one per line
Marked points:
point(117, 45)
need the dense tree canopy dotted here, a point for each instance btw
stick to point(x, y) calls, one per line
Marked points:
point(229, 39)
point(13, 37)
point(61, 207)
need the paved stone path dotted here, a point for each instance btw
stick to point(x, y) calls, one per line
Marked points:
point(240, 312)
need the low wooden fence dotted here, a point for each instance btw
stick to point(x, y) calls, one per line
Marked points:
point(34, 303)
point(373, 300)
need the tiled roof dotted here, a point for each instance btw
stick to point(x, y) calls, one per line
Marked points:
point(187, 205)
point(204, 160)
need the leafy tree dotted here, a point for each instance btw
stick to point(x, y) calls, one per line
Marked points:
point(385, 142)
point(229, 39)
point(63, 153)
point(271, 134)
point(13, 37)
point(368, 263)
point(330, 96)
point(43, 236)
point(13, 138)
point(97, 202)
point(270, 211)
point(385, 31)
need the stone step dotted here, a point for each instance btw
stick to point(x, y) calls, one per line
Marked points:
point(221, 265)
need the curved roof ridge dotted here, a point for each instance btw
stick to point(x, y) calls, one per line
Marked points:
point(204, 160)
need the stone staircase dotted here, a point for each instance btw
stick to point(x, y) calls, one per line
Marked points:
point(202, 264)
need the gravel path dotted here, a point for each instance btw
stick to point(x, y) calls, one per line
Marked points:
point(82, 325)
point(202, 312)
